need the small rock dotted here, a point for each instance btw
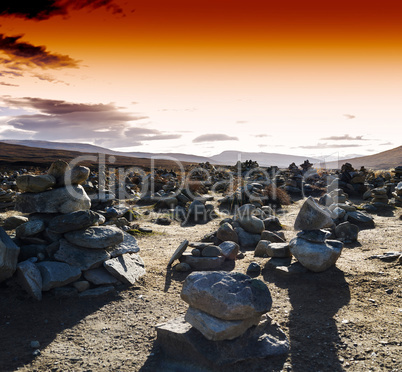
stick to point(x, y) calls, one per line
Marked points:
point(97, 292)
point(254, 268)
point(211, 251)
point(127, 268)
point(229, 250)
point(179, 251)
point(30, 228)
point(35, 344)
point(202, 263)
point(13, 222)
point(81, 285)
point(226, 233)
point(182, 267)
point(312, 217)
point(35, 183)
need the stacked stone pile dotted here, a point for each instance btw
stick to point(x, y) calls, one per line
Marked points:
point(398, 173)
point(379, 196)
point(311, 247)
point(225, 323)
point(249, 228)
point(64, 246)
point(398, 194)
point(8, 188)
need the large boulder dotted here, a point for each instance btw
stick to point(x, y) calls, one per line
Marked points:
point(226, 295)
point(9, 252)
point(312, 217)
point(75, 221)
point(316, 257)
point(61, 200)
point(96, 237)
point(35, 183)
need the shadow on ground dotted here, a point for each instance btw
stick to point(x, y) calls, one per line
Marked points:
point(315, 299)
point(23, 320)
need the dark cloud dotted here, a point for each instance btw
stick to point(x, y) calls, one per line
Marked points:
point(327, 146)
point(53, 106)
point(348, 116)
point(214, 137)
point(44, 9)
point(345, 137)
point(103, 124)
point(25, 54)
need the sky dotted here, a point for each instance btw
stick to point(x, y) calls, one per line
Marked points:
point(313, 78)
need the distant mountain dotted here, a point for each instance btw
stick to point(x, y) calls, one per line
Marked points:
point(383, 160)
point(264, 159)
point(86, 147)
point(16, 156)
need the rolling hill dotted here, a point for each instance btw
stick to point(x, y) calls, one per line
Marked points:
point(17, 156)
point(383, 160)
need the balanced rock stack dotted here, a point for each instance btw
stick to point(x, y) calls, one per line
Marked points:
point(379, 196)
point(63, 243)
point(311, 247)
point(250, 227)
point(228, 307)
point(398, 194)
point(398, 173)
point(204, 256)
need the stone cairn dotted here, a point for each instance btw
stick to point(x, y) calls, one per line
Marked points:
point(62, 245)
point(311, 247)
point(8, 189)
point(397, 194)
point(225, 323)
point(249, 228)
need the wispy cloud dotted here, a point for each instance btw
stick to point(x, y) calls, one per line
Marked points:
point(345, 137)
point(8, 84)
point(348, 116)
point(263, 135)
point(45, 9)
point(241, 122)
point(386, 144)
point(56, 120)
point(214, 138)
point(328, 146)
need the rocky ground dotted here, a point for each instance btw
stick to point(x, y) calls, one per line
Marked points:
point(346, 318)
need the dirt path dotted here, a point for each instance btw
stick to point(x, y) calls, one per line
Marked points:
point(347, 318)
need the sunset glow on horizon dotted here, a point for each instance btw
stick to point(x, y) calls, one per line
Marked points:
point(306, 78)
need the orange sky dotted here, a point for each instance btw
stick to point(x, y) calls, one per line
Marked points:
point(188, 64)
